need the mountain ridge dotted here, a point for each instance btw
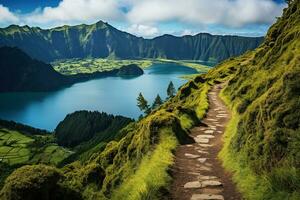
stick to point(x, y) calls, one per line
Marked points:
point(101, 40)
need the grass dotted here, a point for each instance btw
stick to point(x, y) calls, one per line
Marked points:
point(250, 184)
point(189, 77)
point(151, 175)
point(192, 64)
point(13, 147)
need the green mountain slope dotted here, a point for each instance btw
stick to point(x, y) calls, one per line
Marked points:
point(19, 72)
point(101, 40)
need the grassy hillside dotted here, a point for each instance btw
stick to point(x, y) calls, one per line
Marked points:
point(263, 138)
point(101, 40)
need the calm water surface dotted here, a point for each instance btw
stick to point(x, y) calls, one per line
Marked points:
point(113, 95)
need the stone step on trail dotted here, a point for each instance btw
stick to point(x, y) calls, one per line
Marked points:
point(202, 177)
point(202, 184)
point(202, 160)
point(209, 131)
point(202, 152)
point(192, 156)
point(204, 168)
point(201, 140)
point(206, 136)
point(207, 197)
point(205, 145)
point(208, 164)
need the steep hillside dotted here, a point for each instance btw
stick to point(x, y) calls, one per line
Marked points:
point(101, 40)
point(263, 139)
point(19, 72)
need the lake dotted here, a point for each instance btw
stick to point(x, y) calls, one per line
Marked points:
point(114, 95)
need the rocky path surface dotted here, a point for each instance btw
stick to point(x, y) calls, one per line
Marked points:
point(198, 173)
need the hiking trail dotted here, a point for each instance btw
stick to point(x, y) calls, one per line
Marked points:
point(198, 174)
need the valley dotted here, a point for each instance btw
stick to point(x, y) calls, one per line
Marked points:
point(92, 65)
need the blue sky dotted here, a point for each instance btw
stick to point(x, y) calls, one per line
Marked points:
point(148, 18)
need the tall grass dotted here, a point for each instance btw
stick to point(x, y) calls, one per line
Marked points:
point(151, 176)
point(279, 184)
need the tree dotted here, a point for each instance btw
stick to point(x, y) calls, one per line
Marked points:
point(157, 102)
point(171, 90)
point(288, 1)
point(142, 103)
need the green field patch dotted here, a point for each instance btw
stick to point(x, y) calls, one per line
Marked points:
point(18, 148)
point(76, 66)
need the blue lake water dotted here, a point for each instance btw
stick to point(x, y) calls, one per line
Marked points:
point(114, 95)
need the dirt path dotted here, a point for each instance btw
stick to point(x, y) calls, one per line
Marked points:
point(198, 173)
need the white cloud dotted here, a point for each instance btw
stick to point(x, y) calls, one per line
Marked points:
point(75, 11)
point(143, 16)
point(6, 16)
point(187, 32)
point(143, 30)
point(233, 13)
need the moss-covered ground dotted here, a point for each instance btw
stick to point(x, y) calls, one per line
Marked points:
point(262, 141)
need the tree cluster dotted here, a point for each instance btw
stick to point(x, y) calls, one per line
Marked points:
point(143, 105)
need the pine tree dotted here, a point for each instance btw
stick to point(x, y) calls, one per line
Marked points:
point(141, 117)
point(288, 1)
point(171, 90)
point(157, 102)
point(142, 103)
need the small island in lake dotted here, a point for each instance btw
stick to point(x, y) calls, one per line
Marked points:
point(130, 70)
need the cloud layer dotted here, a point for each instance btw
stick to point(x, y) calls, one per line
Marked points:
point(74, 11)
point(6, 16)
point(232, 13)
point(143, 16)
point(143, 30)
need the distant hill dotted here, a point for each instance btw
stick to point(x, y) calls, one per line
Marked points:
point(82, 126)
point(102, 40)
point(130, 70)
point(19, 72)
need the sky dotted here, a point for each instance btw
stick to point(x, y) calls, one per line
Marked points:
point(149, 18)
